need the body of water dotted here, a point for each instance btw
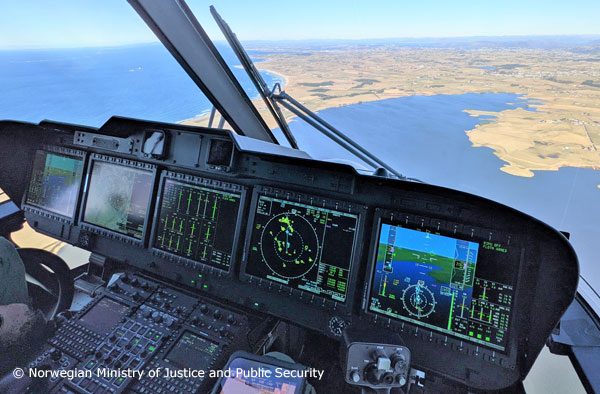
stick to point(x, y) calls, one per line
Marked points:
point(89, 85)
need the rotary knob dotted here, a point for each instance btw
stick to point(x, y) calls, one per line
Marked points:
point(217, 314)
point(355, 376)
point(230, 319)
point(371, 374)
point(195, 320)
point(157, 317)
point(55, 354)
point(172, 324)
point(203, 308)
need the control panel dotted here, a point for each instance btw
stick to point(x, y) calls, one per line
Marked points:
point(377, 365)
point(139, 323)
point(375, 360)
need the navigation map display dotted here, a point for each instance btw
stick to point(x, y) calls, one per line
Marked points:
point(302, 246)
point(118, 198)
point(441, 283)
point(55, 182)
point(197, 223)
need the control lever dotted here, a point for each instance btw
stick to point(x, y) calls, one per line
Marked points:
point(377, 367)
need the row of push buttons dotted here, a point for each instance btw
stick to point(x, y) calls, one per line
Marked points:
point(76, 340)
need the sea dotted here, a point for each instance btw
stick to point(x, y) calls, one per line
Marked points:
point(89, 85)
point(421, 136)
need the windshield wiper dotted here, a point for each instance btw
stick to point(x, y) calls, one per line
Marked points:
point(285, 100)
point(255, 77)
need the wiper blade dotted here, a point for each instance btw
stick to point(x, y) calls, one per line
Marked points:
point(255, 76)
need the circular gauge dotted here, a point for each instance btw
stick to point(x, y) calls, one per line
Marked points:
point(418, 300)
point(337, 325)
point(289, 245)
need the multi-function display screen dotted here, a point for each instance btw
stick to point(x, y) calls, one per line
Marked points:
point(104, 316)
point(443, 283)
point(197, 223)
point(302, 246)
point(192, 351)
point(55, 182)
point(118, 197)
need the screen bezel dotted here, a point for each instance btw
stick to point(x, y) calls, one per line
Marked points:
point(473, 234)
point(208, 184)
point(356, 209)
point(94, 228)
point(58, 150)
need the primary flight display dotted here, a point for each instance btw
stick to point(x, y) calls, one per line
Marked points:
point(435, 281)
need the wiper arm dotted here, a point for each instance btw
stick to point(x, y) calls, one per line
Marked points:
point(255, 77)
point(272, 100)
point(334, 134)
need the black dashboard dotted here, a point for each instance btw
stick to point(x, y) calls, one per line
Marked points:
point(473, 287)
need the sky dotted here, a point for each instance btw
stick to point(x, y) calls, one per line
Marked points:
point(79, 23)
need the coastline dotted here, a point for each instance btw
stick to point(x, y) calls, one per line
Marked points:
point(202, 121)
point(560, 132)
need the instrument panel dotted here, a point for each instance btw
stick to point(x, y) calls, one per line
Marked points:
point(317, 244)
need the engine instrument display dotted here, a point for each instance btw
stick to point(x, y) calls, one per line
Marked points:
point(302, 246)
point(443, 283)
point(197, 223)
point(118, 198)
point(55, 182)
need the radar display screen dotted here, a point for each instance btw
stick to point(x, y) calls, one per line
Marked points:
point(443, 283)
point(55, 182)
point(197, 223)
point(118, 197)
point(192, 351)
point(302, 246)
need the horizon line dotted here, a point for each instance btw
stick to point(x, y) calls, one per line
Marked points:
point(300, 40)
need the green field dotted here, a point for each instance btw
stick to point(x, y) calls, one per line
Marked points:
point(446, 264)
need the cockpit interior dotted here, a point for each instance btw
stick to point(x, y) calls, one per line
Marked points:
point(214, 250)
